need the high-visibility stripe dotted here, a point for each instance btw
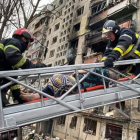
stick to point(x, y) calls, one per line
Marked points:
point(20, 63)
point(15, 87)
point(105, 30)
point(137, 52)
point(119, 50)
point(129, 69)
point(137, 36)
point(1, 46)
point(104, 58)
point(11, 46)
point(129, 49)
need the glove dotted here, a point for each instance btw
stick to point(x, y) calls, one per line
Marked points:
point(109, 62)
point(40, 65)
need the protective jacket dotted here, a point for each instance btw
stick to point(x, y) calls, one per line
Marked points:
point(11, 55)
point(11, 58)
point(125, 46)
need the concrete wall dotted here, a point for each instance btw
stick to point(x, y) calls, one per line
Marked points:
point(129, 129)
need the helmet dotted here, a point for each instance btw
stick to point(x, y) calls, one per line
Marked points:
point(111, 26)
point(24, 32)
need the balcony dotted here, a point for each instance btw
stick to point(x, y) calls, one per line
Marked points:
point(93, 39)
point(117, 11)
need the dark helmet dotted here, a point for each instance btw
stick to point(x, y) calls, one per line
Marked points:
point(24, 32)
point(111, 26)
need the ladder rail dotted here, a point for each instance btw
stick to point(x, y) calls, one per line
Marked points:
point(113, 81)
point(62, 68)
point(70, 106)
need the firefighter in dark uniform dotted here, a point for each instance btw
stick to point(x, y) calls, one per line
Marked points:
point(11, 58)
point(123, 43)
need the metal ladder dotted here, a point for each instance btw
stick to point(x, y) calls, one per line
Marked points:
point(15, 116)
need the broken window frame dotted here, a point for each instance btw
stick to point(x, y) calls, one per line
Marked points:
point(90, 126)
point(98, 8)
point(114, 130)
point(73, 122)
point(80, 11)
point(51, 53)
point(76, 27)
point(56, 26)
point(54, 40)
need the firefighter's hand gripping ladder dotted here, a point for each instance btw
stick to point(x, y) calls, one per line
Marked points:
point(15, 116)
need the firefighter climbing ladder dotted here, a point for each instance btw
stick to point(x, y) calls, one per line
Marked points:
point(13, 117)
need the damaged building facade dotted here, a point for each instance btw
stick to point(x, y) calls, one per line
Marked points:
point(89, 47)
point(72, 33)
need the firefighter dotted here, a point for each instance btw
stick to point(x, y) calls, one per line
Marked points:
point(123, 44)
point(11, 58)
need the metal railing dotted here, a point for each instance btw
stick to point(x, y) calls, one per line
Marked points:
point(40, 73)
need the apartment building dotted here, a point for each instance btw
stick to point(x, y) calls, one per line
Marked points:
point(96, 125)
point(100, 126)
point(37, 52)
point(73, 33)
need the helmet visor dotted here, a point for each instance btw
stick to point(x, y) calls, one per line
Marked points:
point(107, 34)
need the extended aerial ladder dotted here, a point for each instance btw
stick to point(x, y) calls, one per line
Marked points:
point(15, 116)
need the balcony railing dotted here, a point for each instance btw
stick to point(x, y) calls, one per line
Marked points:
point(117, 11)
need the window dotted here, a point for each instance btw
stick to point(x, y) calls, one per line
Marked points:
point(76, 27)
point(61, 2)
point(69, 10)
point(59, 63)
point(67, 17)
point(70, 21)
point(67, 36)
point(58, 49)
point(60, 53)
point(54, 40)
point(64, 20)
point(96, 9)
point(63, 26)
point(68, 30)
point(55, 64)
point(62, 47)
point(138, 134)
point(57, 55)
point(63, 61)
point(59, 40)
point(45, 53)
point(80, 11)
point(73, 122)
point(90, 126)
point(50, 31)
point(66, 45)
point(47, 43)
point(37, 25)
point(51, 53)
point(56, 26)
point(113, 131)
point(72, 7)
point(61, 33)
point(66, 6)
point(37, 34)
point(64, 53)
